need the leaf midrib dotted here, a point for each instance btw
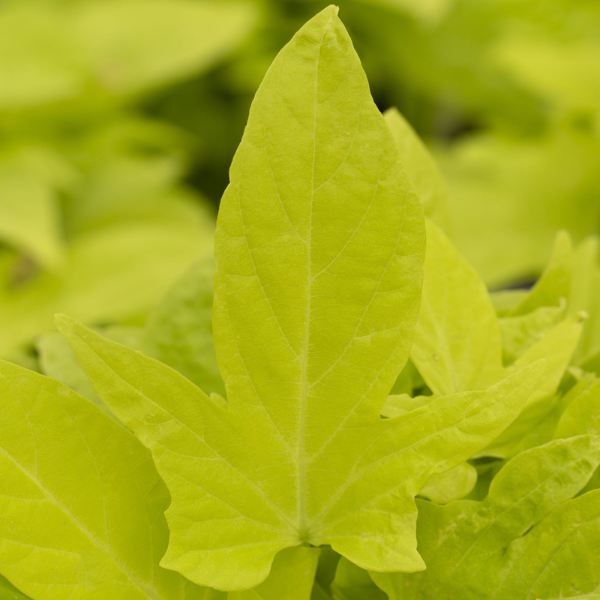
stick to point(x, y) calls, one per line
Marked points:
point(301, 449)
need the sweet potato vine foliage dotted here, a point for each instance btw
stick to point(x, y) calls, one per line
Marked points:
point(319, 260)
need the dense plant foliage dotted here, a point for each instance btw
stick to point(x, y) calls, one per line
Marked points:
point(348, 412)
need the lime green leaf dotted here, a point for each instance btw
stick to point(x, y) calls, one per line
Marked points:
point(292, 577)
point(179, 331)
point(450, 485)
point(556, 348)
point(319, 253)
point(9, 591)
point(82, 505)
point(502, 219)
point(585, 291)
point(39, 62)
point(554, 286)
point(457, 341)
point(421, 168)
point(505, 301)
point(353, 583)
point(29, 212)
point(520, 333)
point(525, 540)
point(582, 415)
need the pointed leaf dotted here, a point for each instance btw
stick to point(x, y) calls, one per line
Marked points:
point(319, 253)
point(555, 283)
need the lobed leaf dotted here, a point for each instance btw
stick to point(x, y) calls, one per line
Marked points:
point(319, 252)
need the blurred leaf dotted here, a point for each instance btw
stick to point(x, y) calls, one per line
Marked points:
point(509, 197)
point(520, 333)
point(556, 348)
point(179, 331)
point(422, 170)
point(110, 275)
point(54, 52)
point(29, 207)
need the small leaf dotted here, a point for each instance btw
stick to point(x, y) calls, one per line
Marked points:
point(450, 485)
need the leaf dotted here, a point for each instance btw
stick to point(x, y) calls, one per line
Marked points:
point(585, 290)
point(319, 255)
point(292, 577)
point(9, 591)
point(457, 340)
point(179, 331)
point(353, 583)
point(29, 211)
point(525, 540)
point(81, 504)
point(422, 170)
point(500, 184)
point(450, 485)
point(58, 361)
point(582, 415)
point(554, 286)
point(520, 333)
point(326, 569)
point(556, 348)
point(429, 12)
point(175, 38)
point(52, 53)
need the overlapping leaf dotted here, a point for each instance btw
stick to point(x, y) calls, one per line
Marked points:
point(526, 540)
